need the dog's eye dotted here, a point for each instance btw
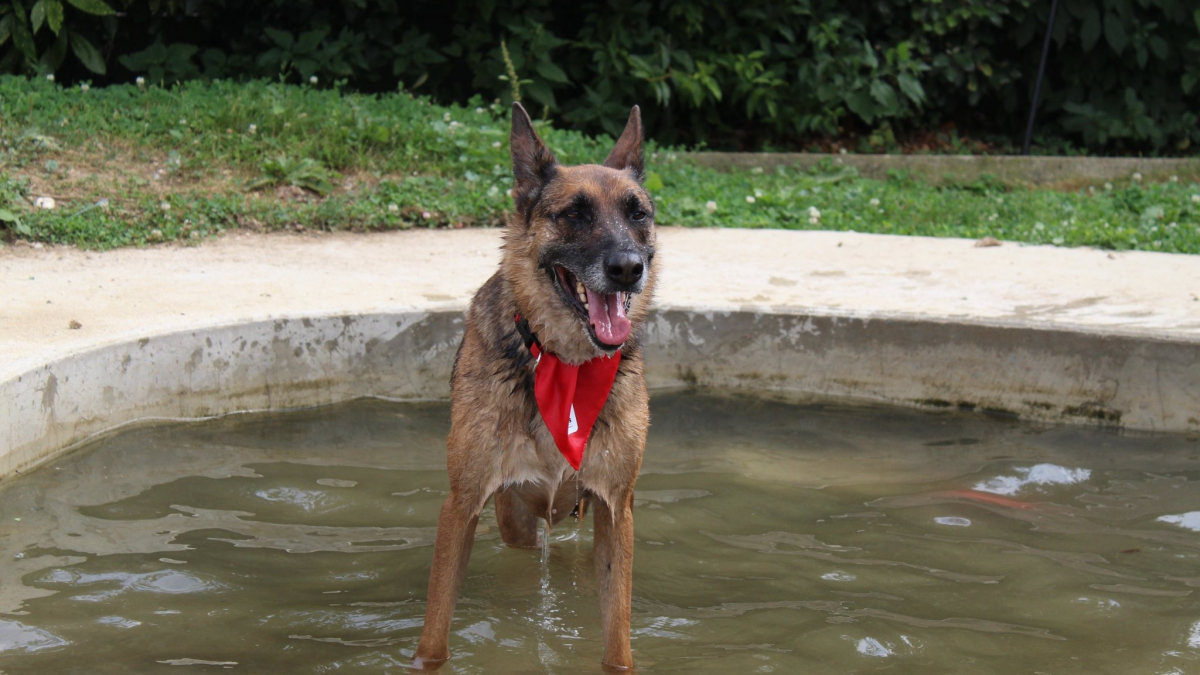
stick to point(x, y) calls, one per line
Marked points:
point(573, 214)
point(638, 215)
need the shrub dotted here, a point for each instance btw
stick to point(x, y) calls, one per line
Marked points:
point(1123, 76)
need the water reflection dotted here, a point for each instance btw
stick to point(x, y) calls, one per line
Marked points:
point(17, 637)
point(872, 647)
point(952, 521)
point(1188, 521)
point(1039, 474)
point(313, 501)
point(770, 537)
point(165, 581)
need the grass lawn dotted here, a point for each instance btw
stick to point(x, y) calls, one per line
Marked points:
point(127, 165)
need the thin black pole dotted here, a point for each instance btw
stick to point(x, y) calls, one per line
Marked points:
point(1037, 89)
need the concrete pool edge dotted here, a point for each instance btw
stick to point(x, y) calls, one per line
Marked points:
point(1049, 373)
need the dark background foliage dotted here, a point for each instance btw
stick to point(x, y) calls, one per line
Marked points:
point(1124, 75)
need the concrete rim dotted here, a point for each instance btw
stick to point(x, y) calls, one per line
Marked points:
point(1113, 350)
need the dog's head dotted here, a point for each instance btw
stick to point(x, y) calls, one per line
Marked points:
point(579, 251)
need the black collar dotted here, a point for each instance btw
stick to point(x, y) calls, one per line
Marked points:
point(527, 335)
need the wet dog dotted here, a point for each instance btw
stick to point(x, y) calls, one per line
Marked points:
point(551, 352)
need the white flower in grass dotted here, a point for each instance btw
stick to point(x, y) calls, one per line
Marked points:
point(1137, 177)
point(50, 77)
point(1174, 178)
point(312, 79)
point(165, 206)
point(1196, 199)
point(446, 117)
point(711, 206)
point(426, 215)
point(1108, 186)
point(85, 87)
point(479, 111)
point(45, 202)
point(873, 202)
point(749, 199)
point(253, 128)
point(496, 144)
point(814, 214)
point(141, 82)
point(758, 193)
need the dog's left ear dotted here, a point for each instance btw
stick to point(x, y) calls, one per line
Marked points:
point(627, 153)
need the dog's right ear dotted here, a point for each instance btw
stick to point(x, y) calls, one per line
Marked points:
point(627, 153)
point(533, 163)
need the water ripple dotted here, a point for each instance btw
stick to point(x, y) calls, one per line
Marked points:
point(17, 637)
point(838, 608)
point(771, 543)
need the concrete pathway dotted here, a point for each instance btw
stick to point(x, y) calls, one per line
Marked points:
point(126, 294)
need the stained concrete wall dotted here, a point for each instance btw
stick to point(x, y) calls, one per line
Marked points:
point(1055, 375)
point(1034, 373)
point(266, 365)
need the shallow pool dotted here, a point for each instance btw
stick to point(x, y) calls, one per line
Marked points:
point(772, 536)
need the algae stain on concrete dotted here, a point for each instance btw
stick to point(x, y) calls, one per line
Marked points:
point(194, 360)
point(49, 393)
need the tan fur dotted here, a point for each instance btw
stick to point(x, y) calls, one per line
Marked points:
point(498, 445)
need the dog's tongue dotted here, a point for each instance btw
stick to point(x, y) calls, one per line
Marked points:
point(607, 316)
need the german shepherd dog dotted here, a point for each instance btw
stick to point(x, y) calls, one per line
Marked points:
point(574, 284)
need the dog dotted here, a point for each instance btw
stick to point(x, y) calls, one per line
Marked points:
point(551, 351)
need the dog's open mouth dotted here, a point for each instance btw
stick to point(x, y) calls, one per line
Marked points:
point(605, 314)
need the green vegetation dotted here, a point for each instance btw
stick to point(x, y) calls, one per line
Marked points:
point(1123, 75)
point(130, 165)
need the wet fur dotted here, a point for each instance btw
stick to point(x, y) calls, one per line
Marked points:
point(498, 445)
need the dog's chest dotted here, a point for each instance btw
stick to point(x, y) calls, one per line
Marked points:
point(535, 458)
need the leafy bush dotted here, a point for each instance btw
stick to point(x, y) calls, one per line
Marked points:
point(73, 29)
point(1123, 76)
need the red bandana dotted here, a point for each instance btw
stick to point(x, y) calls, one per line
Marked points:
point(569, 397)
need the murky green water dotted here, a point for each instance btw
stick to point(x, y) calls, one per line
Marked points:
point(770, 538)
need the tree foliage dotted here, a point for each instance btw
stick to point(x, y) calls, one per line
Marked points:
point(1124, 75)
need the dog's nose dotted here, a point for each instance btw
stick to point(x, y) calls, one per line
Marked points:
point(624, 267)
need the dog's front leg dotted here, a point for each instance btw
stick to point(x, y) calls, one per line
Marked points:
point(451, 551)
point(614, 575)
